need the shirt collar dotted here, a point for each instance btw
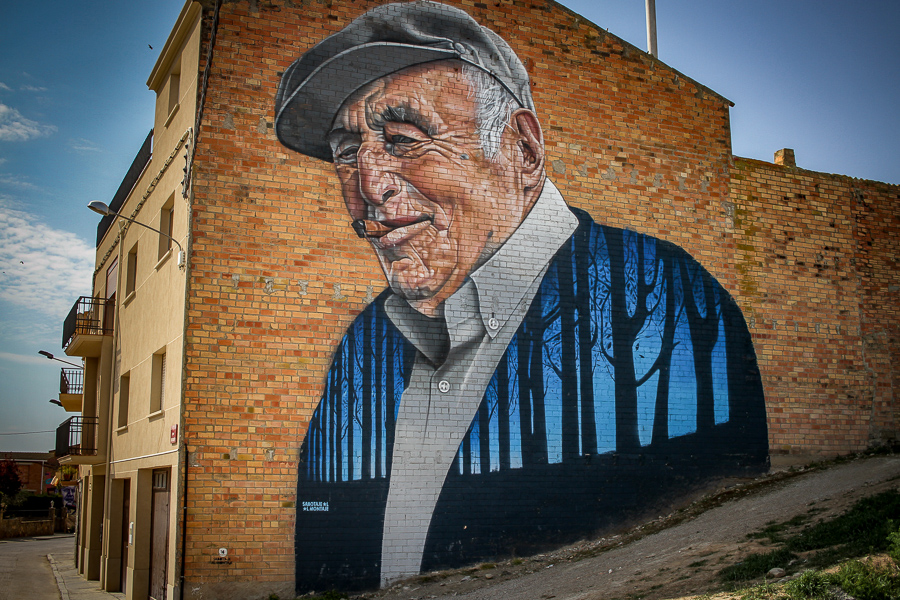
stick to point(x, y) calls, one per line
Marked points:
point(493, 291)
point(504, 279)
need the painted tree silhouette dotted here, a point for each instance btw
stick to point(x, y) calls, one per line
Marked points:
point(701, 308)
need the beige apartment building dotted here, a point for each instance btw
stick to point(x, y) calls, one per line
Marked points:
point(129, 331)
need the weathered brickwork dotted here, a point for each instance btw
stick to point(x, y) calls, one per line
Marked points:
point(818, 282)
point(276, 274)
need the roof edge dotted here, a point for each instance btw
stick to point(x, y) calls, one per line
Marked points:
point(646, 54)
point(190, 12)
point(770, 165)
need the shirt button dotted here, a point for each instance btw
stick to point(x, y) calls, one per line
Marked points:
point(493, 323)
point(444, 386)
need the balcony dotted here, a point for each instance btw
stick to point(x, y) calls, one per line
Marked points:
point(76, 440)
point(71, 389)
point(89, 320)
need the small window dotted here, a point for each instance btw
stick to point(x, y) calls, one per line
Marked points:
point(124, 391)
point(109, 311)
point(174, 89)
point(158, 382)
point(166, 219)
point(131, 271)
point(171, 97)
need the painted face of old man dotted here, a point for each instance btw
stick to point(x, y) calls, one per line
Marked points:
point(410, 160)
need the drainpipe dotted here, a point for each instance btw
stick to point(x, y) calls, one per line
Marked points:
point(107, 487)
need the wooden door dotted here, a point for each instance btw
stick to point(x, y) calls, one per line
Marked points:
point(126, 520)
point(159, 534)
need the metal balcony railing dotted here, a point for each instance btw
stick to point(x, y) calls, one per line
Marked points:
point(71, 381)
point(87, 317)
point(77, 437)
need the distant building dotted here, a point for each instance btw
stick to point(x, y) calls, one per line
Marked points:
point(201, 379)
point(36, 470)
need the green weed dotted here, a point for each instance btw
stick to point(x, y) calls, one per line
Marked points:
point(811, 585)
point(864, 580)
point(862, 529)
point(763, 591)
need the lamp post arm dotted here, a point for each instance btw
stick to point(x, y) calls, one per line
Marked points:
point(69, 363)
point(105, 210)
point(180, 249)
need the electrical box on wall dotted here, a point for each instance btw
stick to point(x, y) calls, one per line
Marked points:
point(173, 434)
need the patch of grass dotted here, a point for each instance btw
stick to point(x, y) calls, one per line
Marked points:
point(865, 580)
point(756, 565)
point(763, 591)
point(487, 566)
point(862, 529)
point(811, 585)
point(894, 546)
point(773, 531)
point(517, 561)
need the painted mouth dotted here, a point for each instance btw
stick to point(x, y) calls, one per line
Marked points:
point(391, 231)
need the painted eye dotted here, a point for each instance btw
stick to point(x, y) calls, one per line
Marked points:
point(400, 139)
point(346, 156)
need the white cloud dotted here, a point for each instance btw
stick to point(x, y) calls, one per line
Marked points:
point(83, 146)
point(32, 88)
point(2, 160)
point(16, 181)
point(16, 128)
point(5, 87)
point(43, 269)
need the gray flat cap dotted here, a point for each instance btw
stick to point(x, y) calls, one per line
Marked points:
point(382, 41)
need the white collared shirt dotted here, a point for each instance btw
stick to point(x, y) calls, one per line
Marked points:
point(455, 360)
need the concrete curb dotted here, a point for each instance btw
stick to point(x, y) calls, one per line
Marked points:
point(60, 582)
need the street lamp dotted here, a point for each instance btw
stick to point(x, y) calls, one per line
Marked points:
point(51, 357)
point(56, 402)
point(102, 208)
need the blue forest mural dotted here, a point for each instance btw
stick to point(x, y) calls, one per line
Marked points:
point(529, 376)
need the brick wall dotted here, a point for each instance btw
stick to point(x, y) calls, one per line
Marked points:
point(818, 282)
point(277, 275)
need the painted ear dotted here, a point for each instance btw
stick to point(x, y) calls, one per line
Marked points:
point(530, 145)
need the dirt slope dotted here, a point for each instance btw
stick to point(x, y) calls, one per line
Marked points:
point(681, 558)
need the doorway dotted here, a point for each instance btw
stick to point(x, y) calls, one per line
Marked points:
point(159, 534)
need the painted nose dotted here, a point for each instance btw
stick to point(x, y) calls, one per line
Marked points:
point(378, 180)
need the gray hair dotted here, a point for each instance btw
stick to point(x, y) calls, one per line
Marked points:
point(494, 105)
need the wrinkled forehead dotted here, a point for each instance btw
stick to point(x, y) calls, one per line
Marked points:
point(437, 91)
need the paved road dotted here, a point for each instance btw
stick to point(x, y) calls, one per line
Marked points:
point(24, 569)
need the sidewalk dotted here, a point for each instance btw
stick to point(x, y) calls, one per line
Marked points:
point(71, 585)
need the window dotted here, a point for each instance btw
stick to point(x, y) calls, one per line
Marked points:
point(173, 95)
point(166, 218)
point(124, 391)
point(131, 271)
point(109, 312)
point(158, 382)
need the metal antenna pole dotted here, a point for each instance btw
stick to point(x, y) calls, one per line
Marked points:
point(651, 28)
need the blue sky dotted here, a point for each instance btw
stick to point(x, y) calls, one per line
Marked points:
point(819, 76)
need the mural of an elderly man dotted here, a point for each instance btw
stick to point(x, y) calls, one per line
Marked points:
point(529, 376)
